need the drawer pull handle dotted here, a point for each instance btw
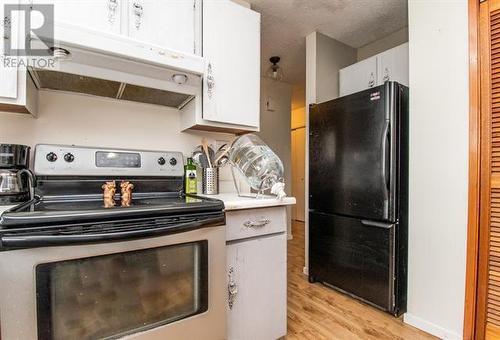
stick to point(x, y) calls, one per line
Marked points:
point(257, 224)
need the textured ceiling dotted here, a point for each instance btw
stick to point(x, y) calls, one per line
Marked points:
point(286, 23)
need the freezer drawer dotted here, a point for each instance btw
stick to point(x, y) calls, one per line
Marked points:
point(355, 256)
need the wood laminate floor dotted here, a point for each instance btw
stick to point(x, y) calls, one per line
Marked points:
point(316, 312)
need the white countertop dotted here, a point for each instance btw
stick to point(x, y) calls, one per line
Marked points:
point(233, 202)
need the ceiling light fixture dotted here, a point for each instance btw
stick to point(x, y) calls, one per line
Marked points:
point(275, 72)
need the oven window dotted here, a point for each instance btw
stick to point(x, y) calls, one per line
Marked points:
point(113, 295)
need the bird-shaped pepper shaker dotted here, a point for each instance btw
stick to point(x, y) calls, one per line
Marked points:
point(126, 189)
point(109, 194)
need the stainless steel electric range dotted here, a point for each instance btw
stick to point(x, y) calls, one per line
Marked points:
point(74, 265)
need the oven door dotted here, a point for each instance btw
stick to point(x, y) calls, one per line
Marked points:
point(167, 287)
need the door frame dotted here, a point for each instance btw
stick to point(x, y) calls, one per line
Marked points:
point(474, 189)
point(300, 126)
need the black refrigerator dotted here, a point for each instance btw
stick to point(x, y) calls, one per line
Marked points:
point(358, 195)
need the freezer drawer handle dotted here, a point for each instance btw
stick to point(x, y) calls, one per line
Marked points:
point(377, 224)
point(257, 224)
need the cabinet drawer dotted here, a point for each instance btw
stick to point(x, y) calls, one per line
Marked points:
point(242, 224)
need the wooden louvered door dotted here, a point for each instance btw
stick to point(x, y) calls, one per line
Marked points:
point(488, 294)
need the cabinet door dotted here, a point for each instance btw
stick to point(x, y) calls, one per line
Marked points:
point(168, 23)
point(258, 269)
point(358, 77)
point(8, 74)
point(101, 15)
point(231, 47)
point(393, 65)
point(8, 80)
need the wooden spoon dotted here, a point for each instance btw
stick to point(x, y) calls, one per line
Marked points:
point(204, 145)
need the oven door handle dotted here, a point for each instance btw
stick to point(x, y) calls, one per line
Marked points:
point(33, 241)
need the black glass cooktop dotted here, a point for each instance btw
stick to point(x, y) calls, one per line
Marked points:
point(96, 204)
point(94, 208)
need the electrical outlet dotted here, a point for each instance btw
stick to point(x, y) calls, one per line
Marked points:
point(270, 105)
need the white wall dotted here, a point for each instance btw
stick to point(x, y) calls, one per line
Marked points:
point(331, 56)
point(275, 126)
point(94, 121)
point(438, 165)
point(392, 40)
point(324, 58)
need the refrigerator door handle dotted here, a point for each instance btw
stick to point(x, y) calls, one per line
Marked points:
point(377, 224)
point(385, 179)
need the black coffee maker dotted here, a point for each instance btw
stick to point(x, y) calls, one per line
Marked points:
point(16, 180)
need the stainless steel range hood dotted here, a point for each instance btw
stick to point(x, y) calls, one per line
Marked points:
point(114, 66)
point(67, 82)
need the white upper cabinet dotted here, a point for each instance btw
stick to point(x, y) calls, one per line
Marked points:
point(170, 23)
point(393, 65)
point(231, 48)
point(8, 80)
point(17, 91)
point(8, 75)
point(358, 77)
point(100, 15)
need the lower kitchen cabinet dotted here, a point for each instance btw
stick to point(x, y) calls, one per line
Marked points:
point(257, 288)
point(256, 273)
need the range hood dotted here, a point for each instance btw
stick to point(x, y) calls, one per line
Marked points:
point(115, 66)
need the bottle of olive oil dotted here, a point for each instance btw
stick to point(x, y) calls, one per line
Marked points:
point(190, 181)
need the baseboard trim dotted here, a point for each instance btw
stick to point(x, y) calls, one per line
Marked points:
point(305, 270)
point(430, 328)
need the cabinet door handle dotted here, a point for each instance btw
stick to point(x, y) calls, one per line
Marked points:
point(232, 288)
point(371, 82)
point(7, 25)
point(112, 6)
point(386, 75)
point(138, 12)
point(210, 81)
point(257, 224)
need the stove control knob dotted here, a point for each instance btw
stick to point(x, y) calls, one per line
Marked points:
point(173, 161)
point(161, 161)
point(69, 157)
point(51, 157)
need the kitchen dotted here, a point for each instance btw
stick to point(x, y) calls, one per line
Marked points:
point(128, 98)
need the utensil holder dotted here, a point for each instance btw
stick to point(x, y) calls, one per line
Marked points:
point(210, 181)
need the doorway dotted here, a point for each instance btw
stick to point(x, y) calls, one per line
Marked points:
point(298, 136)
